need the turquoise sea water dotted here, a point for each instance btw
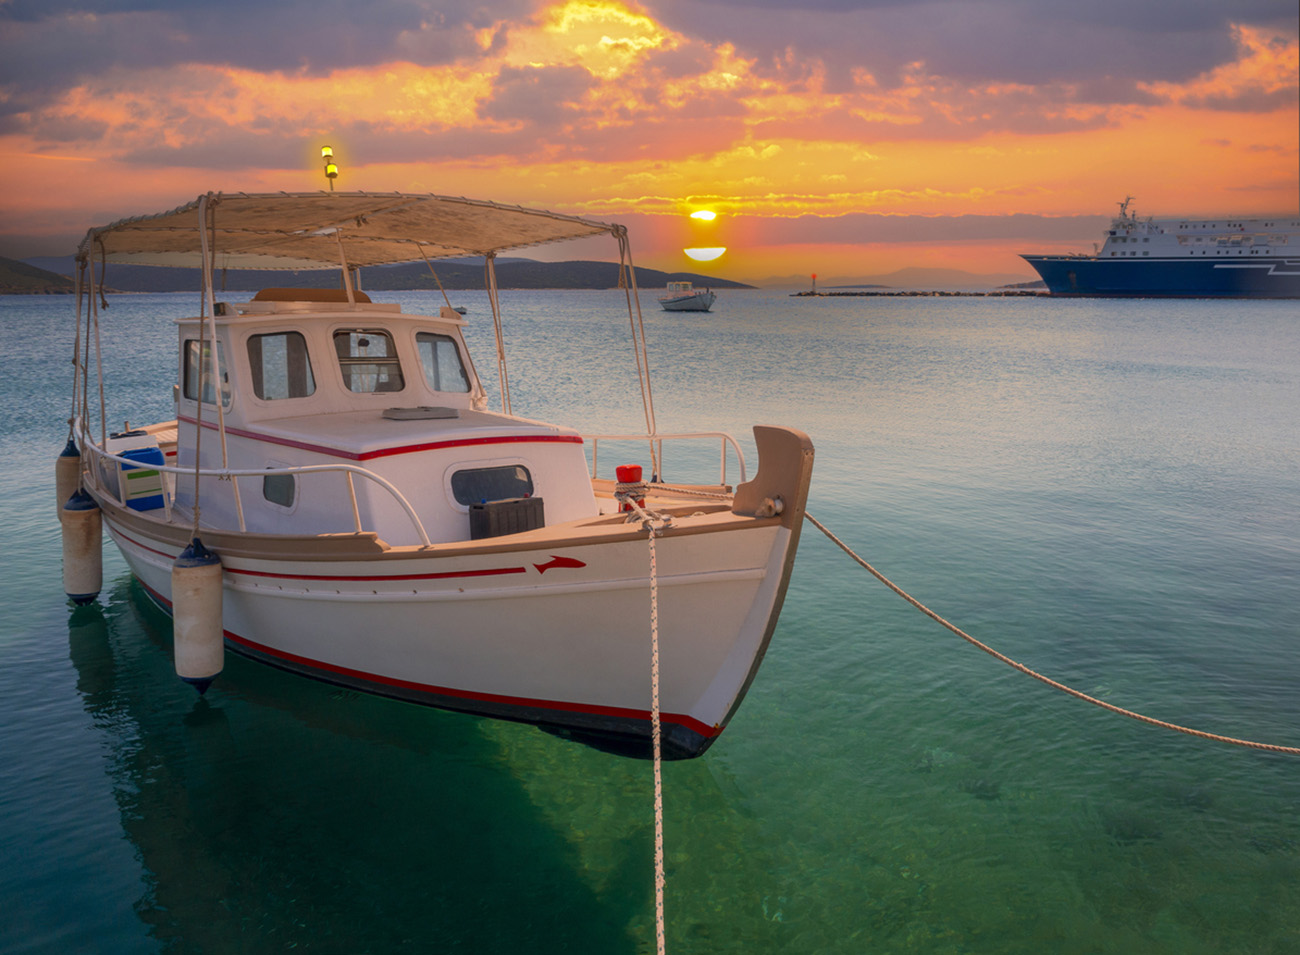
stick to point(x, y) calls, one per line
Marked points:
point(1107, 491)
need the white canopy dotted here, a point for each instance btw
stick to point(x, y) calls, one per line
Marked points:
point(304, 230)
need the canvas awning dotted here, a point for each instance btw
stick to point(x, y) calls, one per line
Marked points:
point(304, 230)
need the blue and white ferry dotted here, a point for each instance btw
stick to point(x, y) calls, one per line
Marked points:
point(1194, 258)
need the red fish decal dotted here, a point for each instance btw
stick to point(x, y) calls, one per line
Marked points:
point(569, 562)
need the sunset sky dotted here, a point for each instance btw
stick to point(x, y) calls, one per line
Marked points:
point(843, 137)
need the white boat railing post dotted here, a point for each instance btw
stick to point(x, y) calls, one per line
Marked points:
point(352, 495)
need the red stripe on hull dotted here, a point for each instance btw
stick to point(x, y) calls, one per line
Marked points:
point(491, 572)
point(300, 663)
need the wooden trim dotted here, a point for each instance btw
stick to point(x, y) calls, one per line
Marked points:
point(309, 295)
point(368, 547)
point(785, 458)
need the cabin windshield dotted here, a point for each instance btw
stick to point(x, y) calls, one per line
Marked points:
point(440, 359)
point(368, 360)
point(198, 368)
point(280, 365)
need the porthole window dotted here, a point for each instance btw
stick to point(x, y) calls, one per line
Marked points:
point(479, 485)
point(279, 489)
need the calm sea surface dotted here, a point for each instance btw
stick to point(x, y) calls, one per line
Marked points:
point(1108, 492)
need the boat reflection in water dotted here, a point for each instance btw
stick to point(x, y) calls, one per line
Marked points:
point(279, 813)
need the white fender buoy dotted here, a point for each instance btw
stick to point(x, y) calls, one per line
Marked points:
point(83, 555)
point(67, 474)
point(198, 647)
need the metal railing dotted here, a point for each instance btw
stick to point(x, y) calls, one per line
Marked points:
point(657, 441)
point(99, 455)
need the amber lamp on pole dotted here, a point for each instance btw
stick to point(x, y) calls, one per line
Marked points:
point(331, 168)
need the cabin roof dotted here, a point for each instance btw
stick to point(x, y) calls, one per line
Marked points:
point(368, 433)
point(306, 230)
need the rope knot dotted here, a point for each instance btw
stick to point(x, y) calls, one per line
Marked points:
point(630, 489)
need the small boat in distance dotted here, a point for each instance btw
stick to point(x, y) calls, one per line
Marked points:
point(684, 297)
point(332, 495)
point(1187, 258)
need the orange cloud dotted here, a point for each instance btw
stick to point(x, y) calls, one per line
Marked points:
point(594, 106)
point(1265, 75)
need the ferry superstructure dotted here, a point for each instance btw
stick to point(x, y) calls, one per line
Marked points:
point(1192, 258)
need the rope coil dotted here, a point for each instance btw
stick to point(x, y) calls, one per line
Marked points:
point(631, 489)
point(1078, 694)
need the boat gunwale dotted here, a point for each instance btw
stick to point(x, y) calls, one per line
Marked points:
point(367, 546)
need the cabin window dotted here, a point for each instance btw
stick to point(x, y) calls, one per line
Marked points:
point(440, 359)
point(279, 489)
point(480, 485)
point(280, 365)
point(368, 360)
point(198, 368)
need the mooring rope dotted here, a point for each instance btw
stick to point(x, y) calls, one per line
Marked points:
point(657, 741)
point(1269, 747)
point(689, 491)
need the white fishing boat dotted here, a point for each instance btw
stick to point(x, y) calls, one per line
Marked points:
point(335, 497)
point(684, 297)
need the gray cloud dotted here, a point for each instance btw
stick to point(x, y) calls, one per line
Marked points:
point(541, 95)
point(1119, 42)
point(47, 46)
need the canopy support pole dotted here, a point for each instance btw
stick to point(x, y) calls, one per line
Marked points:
point(210, 369)
point(347, 273)
point(627, 278)
point(494, 300)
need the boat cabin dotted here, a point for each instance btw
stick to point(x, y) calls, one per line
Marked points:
point(385, 408)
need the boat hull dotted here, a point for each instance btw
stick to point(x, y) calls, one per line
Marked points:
point(692, 302)
point(1256, 277)
point(550, 627)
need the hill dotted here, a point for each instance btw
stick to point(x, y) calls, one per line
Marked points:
point(452, 273)
point(21, 278)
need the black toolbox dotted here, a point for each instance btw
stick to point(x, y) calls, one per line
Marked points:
point(512, 516)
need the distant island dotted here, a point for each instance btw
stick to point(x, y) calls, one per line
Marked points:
point(49, 275)
point(19, 278)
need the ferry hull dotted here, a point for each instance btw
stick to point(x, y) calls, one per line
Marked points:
point(1272, 277)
